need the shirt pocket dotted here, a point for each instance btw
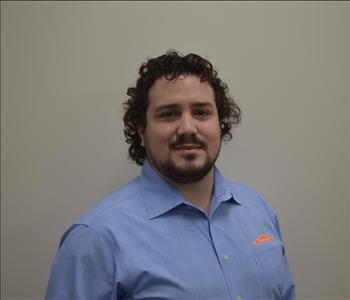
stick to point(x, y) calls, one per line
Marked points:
point(270, 264)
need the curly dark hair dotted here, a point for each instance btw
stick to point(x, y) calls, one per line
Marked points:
point(172, 65)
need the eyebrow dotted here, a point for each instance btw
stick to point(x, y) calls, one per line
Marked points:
point(174, 106)
point(166, 106)
point(202, 104)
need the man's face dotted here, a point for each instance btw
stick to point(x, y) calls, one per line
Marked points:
point(182, 137)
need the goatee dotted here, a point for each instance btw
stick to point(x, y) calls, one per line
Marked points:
point(182, 175)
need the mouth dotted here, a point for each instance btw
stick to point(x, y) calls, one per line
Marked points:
point(187, 147)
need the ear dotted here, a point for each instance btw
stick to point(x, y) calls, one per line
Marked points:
point(141, 132)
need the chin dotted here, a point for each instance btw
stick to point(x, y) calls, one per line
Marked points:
point(189, 163)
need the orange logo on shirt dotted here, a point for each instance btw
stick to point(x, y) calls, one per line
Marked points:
point(263, 238)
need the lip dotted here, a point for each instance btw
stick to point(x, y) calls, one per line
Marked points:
point(187, 147)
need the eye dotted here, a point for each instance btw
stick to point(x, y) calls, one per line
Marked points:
point(202, 113)
point(169, 114)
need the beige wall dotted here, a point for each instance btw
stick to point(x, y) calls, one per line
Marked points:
point(65, 67)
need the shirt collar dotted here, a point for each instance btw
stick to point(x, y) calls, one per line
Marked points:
point(160, 196)
point(222, 192)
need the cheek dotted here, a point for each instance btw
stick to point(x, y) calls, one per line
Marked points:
point(213, 132)
point(159, 136)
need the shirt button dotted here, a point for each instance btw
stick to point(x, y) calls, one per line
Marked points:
point(225, 257)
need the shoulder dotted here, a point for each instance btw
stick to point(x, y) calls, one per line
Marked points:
point(249, 197)
point(243, 192)
point(113, 207)
point(241, 189)
point(108, 215)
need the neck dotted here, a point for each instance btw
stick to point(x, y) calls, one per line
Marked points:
point(198, 193)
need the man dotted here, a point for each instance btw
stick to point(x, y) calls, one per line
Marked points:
point(179, 230)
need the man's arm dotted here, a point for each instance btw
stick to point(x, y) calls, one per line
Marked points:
point(288, 288)
point(288, 292)
point(84, 267)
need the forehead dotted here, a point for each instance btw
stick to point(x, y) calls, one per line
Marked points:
point(181, 90)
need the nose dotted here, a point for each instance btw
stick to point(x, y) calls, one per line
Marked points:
point(187, 126)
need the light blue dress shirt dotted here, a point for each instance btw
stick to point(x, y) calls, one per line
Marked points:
point(146, 241)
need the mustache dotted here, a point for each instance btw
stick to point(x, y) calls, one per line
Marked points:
point(182, 140)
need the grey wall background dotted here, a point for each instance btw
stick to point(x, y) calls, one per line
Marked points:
point(65, 68)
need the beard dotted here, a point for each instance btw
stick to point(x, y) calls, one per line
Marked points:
point(190, 173)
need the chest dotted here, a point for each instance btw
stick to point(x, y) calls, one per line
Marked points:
point(189, 256)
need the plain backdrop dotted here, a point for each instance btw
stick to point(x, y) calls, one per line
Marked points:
point(65, 69)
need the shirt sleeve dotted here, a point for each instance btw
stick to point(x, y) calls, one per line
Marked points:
point(84, 267)
point(288, 288)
